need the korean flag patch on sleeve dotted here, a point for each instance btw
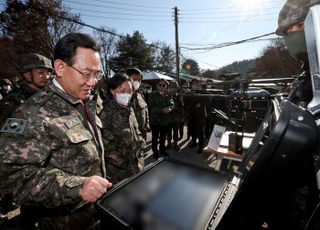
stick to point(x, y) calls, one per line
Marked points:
point(14, 125)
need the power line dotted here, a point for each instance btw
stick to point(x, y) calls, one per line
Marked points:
point(127, 19)
point(220, 12)
point(222, 22)
point(195, 16)
point(89, 26)
point(117, 13)
point(114, 7)
point(220, 8)
point(197, 59)
point(226, 43)
point(101, 29)
point(212, 44)
point(127, 4)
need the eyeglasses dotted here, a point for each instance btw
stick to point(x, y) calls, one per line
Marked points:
point(162, 85)
point(43, 73)
point(90, 75)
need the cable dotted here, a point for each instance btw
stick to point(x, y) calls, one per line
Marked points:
point(114, 7)
point(227, 43)
point(217, 22)
point(127, 19)
point(195, 16)
point(223, 12)
point(117, 13)
point(127, 4)
point(212, 44)
point(87, 25)
point(310, 219)
point(101, 29)
point(225, 7)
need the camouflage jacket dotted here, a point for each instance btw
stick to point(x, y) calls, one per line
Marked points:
point(177, 114)
point(157, 103)
point(15, 98)
point(122, 140)
point(141, 112)
point(196, 107)
point(300, 91)
point(47, 151)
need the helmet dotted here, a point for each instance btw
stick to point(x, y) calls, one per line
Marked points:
point(132, 71)
point(5, 81)
point(34, 61)
point(293, 11)
point(173, 84)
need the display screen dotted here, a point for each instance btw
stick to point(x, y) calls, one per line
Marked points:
point(169, 196)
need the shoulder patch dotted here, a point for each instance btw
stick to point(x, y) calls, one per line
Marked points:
point(14, 125)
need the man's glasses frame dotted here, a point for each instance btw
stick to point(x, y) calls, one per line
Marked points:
point(88, 76)
point(162, 85)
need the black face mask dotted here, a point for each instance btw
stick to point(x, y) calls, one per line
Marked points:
point(297, 46)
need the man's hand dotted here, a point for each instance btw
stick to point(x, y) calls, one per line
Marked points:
point(93, 188)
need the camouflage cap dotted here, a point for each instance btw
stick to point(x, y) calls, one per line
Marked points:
point(173, 84)
point(34, 61)
point(292, 12)
point(132, 71)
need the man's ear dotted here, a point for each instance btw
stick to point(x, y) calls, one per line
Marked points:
point(59, 67)
point(27, 76)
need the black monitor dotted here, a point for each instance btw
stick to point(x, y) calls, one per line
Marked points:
point(272, 168)
point(169, 195)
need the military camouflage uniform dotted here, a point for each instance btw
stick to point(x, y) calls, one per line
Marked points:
point(46, 152)
point(15, 98)
point(141, 112)
point(159, 121)
point(306, 195)
point(176, 120)
point(122, 140)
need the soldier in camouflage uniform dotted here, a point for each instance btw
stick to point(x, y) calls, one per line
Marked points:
point(196, 112)
point(5, 87)
point(35, 71)
point(51, 152)
point(161, 104)
point(138, 103)
point(291, 26)
point(176, 116)
point(122, 138)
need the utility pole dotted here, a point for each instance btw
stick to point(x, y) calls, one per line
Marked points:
point(177, 44)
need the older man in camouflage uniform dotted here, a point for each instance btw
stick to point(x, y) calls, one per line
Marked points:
point(51, 156)
point(35, 71)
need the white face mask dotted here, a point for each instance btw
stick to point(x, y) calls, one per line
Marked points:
point(123, 98)
point(136, 85)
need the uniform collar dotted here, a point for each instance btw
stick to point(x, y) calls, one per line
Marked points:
point(57, 88)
